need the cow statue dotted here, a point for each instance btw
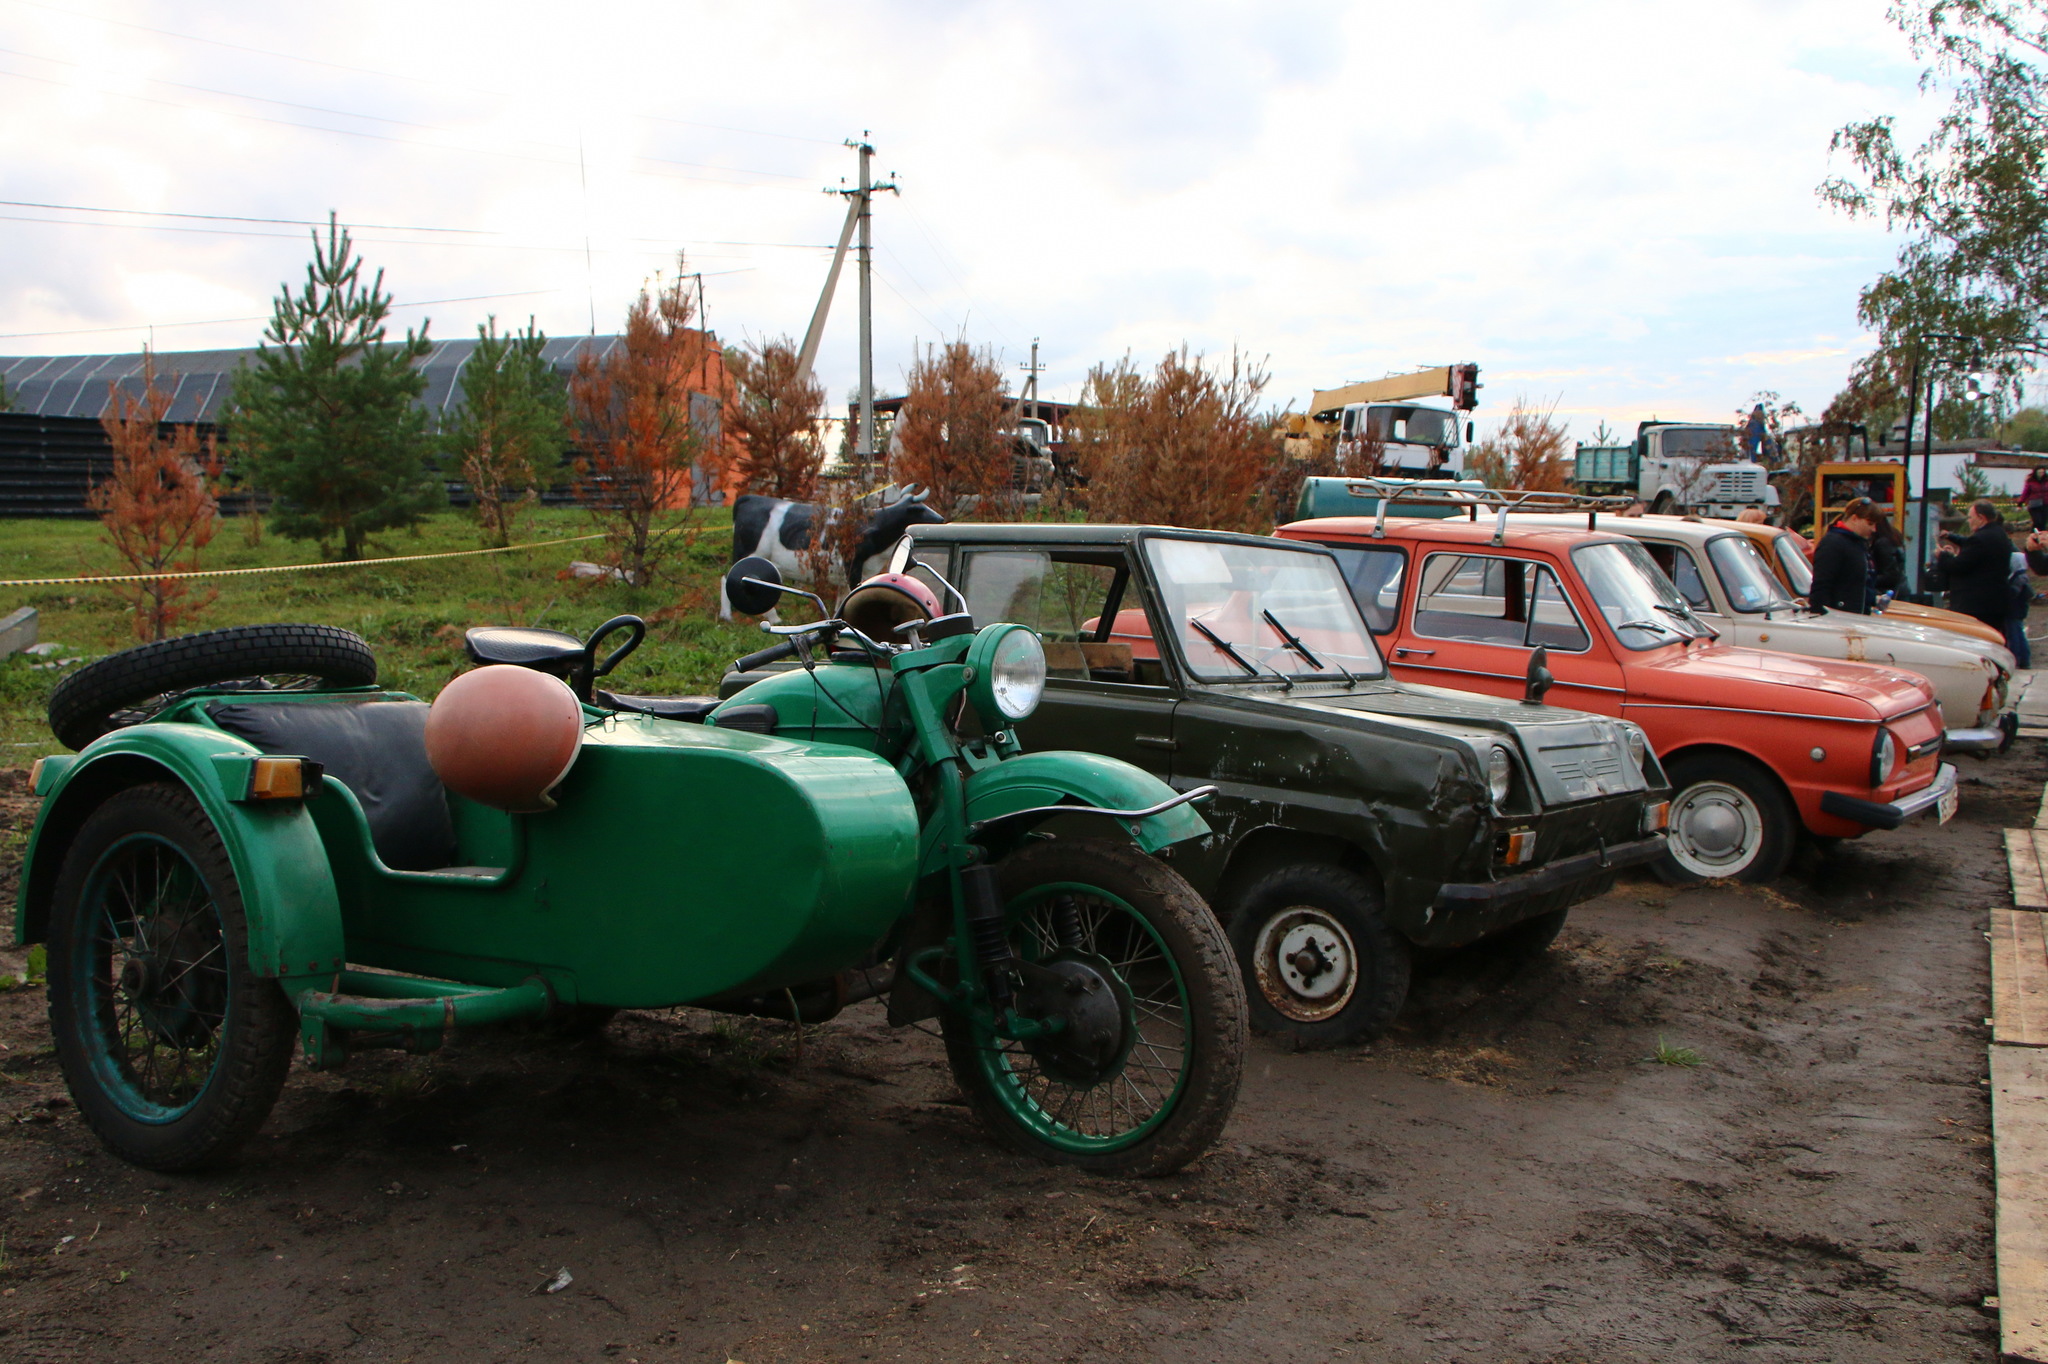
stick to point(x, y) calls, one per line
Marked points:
point(779, 530)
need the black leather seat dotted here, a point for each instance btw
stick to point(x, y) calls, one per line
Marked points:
point(688, 708)
point(525, 646)
point(376, 748)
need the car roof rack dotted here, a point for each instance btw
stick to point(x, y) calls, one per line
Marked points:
point(1417, 492)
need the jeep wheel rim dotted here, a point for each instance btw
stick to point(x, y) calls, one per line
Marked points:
point(1716, 829)
point(1306, 963)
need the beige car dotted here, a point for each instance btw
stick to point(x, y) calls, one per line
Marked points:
point(1725, 580)
point(1790, 556)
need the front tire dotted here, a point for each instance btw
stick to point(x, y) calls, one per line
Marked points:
point(1320, 964)
point(1166, 1099)
point(173, 1050)
point(1729, 819)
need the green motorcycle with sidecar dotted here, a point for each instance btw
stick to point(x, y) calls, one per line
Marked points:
point(258, 850)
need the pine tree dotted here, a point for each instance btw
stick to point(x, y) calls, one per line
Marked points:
point(508, 437)
point(327, 422)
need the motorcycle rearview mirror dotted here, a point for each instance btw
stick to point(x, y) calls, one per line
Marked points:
point(753, 586)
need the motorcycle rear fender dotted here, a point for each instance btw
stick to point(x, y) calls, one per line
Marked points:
point(1033, 780)
point(287, 886)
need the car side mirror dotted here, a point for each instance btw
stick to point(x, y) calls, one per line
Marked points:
point(1539, 678)
point(753, 586)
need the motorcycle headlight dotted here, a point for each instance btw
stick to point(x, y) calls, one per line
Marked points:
point(1882, 754)
point(1008, 673)
point(1500, 772)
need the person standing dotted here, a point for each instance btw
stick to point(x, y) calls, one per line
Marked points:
point(2034, 496)
point(1887, 554)
point(1842, 573)
point(1976, 570)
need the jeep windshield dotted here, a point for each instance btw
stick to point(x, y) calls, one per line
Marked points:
point(1247, 611)
point(1642, 607)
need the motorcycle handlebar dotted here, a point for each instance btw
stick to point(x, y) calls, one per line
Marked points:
point(771, 654)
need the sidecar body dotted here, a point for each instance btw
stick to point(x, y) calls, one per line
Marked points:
point(681, 861)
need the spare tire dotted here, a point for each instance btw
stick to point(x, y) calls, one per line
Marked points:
point(129, 687)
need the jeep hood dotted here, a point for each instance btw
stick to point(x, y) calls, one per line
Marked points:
point(1570, 754)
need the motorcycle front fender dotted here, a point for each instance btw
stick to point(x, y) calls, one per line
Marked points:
point(999, 796)
point(287, 888)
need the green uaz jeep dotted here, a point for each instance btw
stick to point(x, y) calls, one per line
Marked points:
point(1358, 818)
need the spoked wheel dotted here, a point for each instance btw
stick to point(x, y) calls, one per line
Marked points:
point(173, 1051)
point(1142, 1072)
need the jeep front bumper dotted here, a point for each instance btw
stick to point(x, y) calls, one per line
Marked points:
point(1509, 890)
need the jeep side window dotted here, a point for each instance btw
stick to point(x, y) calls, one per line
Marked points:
point(1079, 607)
point(1487, 599)
point(1374, 574)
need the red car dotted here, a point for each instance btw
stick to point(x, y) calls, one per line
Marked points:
point(1758, 745)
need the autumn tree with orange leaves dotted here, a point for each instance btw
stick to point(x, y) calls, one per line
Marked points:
point(638, 445)
point(1530, 451)
point(1183, 445)
point(157, 507)
point(771, 421)
point(952, 437)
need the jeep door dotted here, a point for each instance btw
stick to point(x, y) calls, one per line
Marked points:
point(1475, 618)
point(1106, 688)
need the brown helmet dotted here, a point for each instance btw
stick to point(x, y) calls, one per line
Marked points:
point(884, 602)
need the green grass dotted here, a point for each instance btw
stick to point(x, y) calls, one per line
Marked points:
point(413, 615)
point(1683, 1057)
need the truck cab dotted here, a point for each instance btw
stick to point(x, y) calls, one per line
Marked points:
point(1679, 467)
point(1414, 440)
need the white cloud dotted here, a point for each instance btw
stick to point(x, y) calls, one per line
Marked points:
point(1609, 205)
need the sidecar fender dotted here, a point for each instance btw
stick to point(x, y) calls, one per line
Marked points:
point(1034, 780)
point(287, 886)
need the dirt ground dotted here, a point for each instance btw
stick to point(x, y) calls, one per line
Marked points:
point(1511, 1177)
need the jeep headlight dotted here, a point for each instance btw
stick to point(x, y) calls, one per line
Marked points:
point(1638, 747)
point(1500, 772)
point(1006, 676)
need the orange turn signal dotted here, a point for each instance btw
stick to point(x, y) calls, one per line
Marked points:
point(282, 778)
point(1657, 818)
point(1521, 847)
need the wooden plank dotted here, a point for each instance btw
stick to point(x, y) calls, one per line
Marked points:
point(2019, 1131)
point(2024, 862)
point(2019, 978)
point(2041, 818)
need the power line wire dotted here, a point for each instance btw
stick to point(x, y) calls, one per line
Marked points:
point(382, 137)
point(322, 222)
point(437, 84)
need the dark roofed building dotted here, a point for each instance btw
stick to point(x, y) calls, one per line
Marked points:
point(76, 385)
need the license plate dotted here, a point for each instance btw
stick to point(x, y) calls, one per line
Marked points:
point(1945, 805)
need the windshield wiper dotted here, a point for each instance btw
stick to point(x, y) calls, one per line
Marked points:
point(1655, 625)
point(1690, 617)
point(1287, 636)
point(1223, 647)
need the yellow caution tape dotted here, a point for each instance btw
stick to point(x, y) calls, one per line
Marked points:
point(289, 568)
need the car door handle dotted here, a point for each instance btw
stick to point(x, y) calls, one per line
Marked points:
point(1154, 741)
point(1422, 653)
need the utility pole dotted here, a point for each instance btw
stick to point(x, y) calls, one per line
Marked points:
point(858, 214)
point(1034, 369)
point(864, 445)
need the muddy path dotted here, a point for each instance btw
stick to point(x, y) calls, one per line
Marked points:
point(1512, 1176)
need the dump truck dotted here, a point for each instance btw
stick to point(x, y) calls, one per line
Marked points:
point(1677, 467)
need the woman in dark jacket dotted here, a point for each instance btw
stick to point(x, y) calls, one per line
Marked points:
point(1887, 553)
point(1976, 571)
point(1841, 561)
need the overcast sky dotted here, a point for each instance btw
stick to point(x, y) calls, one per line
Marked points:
point(1608, 204)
